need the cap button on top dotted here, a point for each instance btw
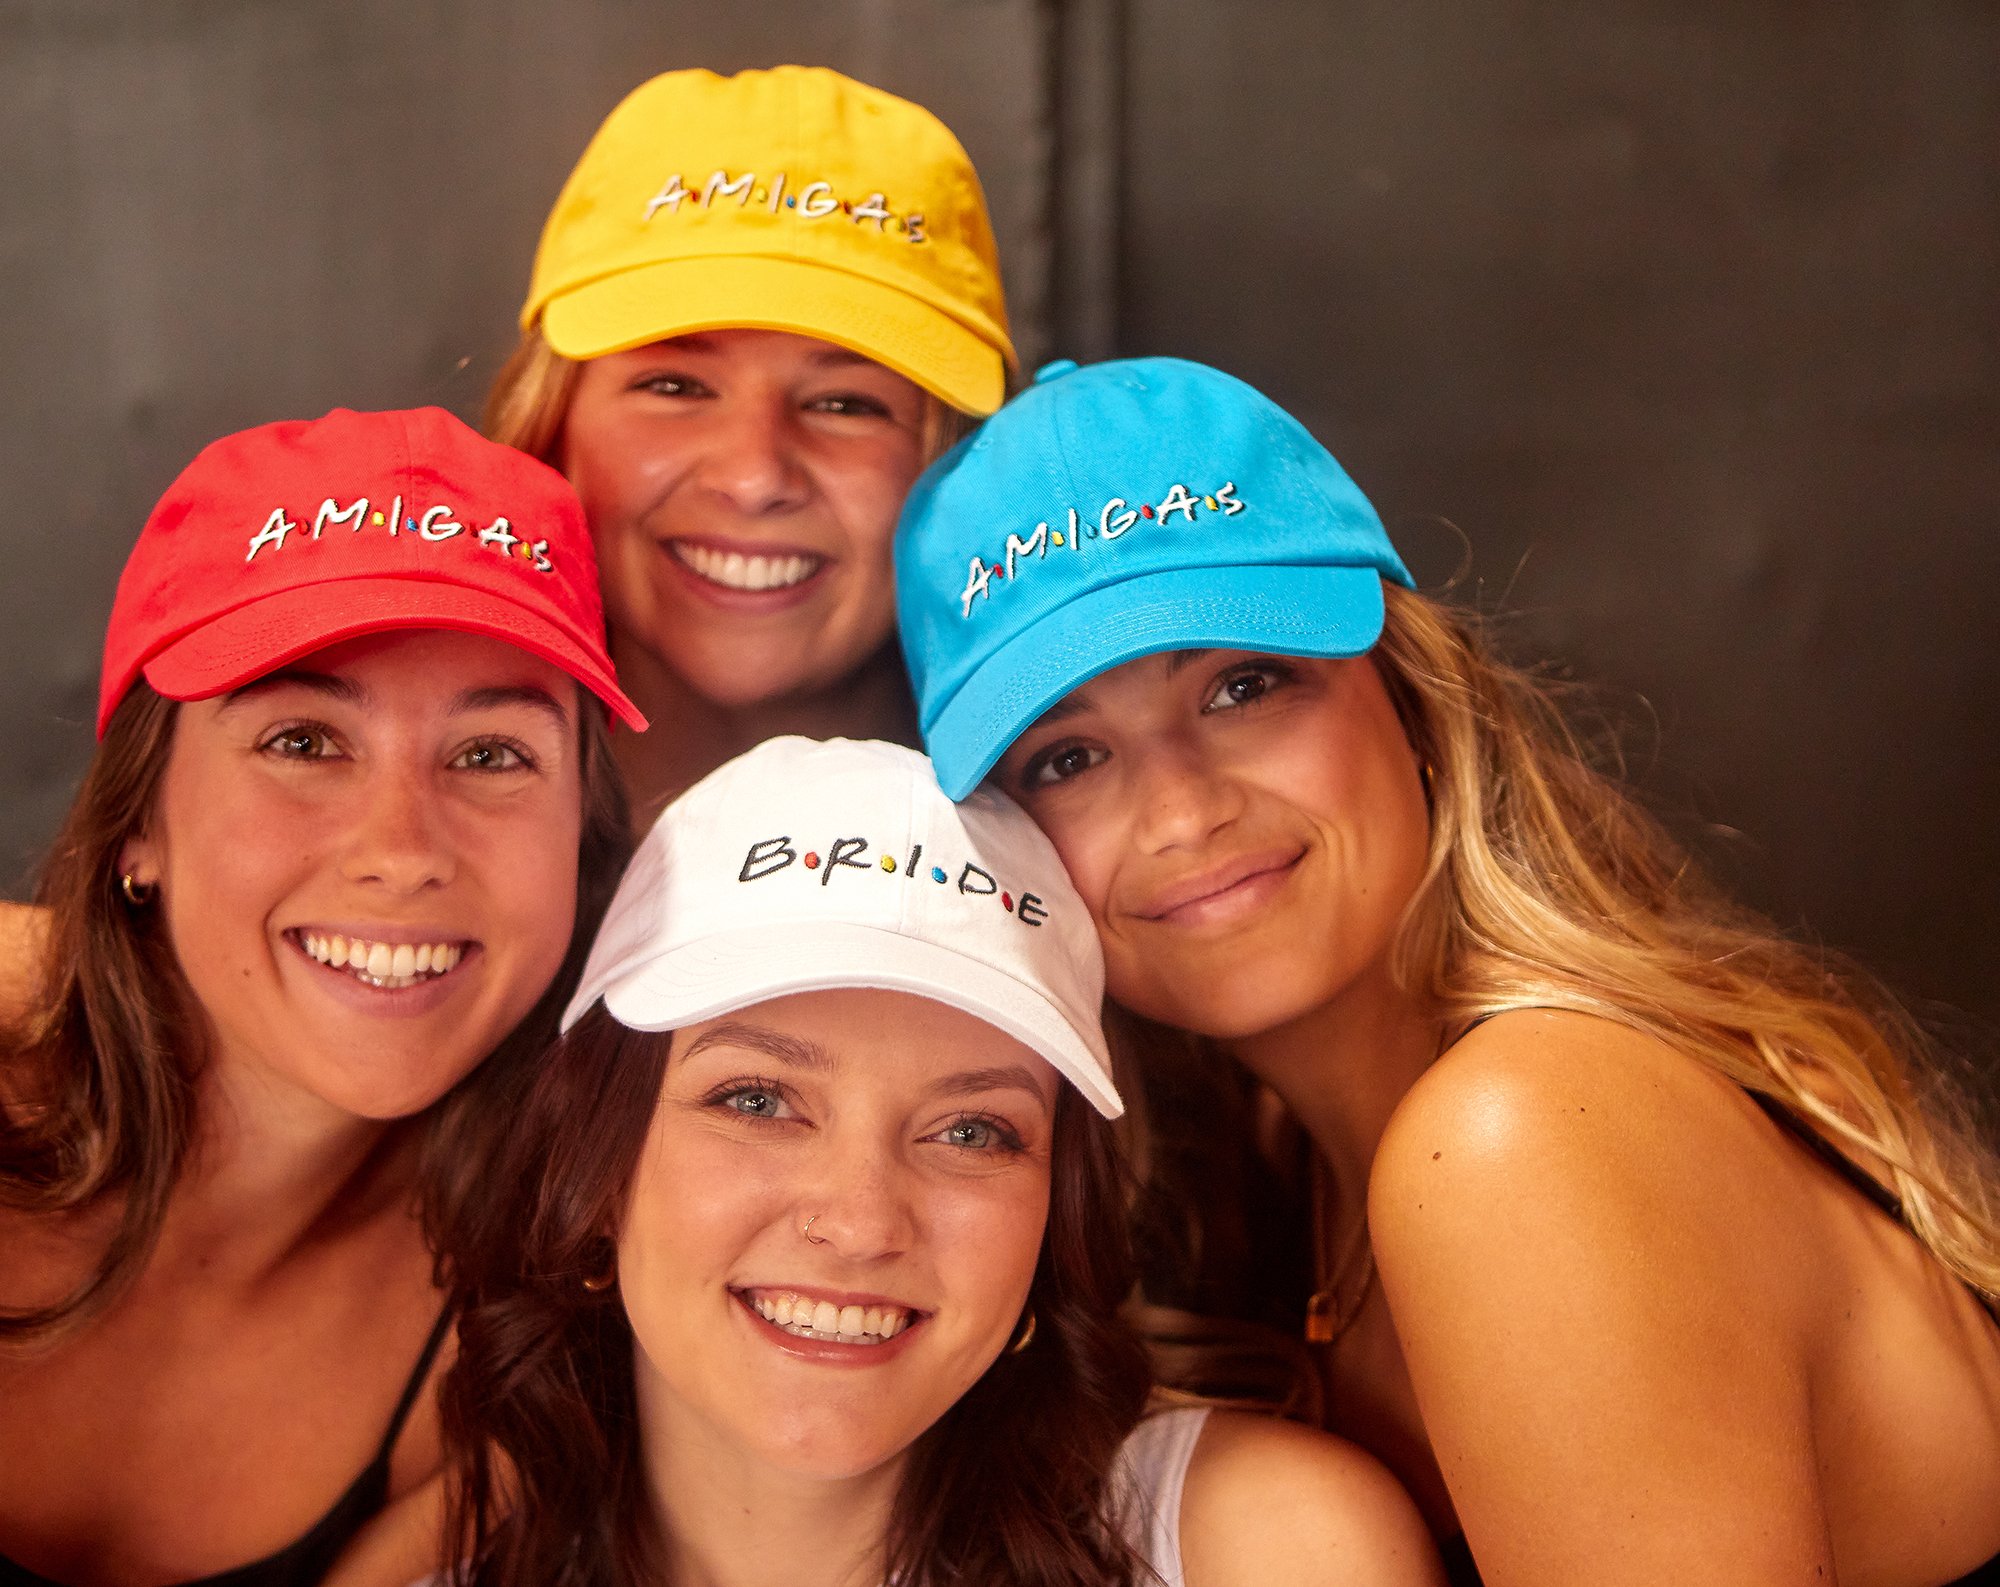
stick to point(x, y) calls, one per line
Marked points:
point(1055, 369)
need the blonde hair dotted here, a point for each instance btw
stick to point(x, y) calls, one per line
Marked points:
point(530, 399)
point(1548, 886)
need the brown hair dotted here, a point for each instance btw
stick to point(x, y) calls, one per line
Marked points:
point(98, 1094)
point(1009, 1487)
point(1548, 886)
point(529, 404)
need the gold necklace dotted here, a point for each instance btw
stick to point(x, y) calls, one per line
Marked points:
point(1333, 1307)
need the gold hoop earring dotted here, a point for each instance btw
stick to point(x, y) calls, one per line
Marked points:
point(138, 894)
point(807, 1231)
point(597, 1283)
point(1025, 1337)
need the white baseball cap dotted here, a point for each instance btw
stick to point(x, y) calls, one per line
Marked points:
point(807, 865)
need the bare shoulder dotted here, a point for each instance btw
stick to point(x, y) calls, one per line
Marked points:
point(1597, 1254)
point(24, 934)
point(1270, 1502)
point(1555, 1115)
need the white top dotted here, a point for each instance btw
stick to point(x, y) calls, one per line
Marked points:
point(1146, 1484)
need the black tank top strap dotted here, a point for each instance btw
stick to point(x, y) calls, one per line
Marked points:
point(306, 1560)
point(418, 1378)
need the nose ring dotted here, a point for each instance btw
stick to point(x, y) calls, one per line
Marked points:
point(807, 1231)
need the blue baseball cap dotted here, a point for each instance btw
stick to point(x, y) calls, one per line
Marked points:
point(1112, 512)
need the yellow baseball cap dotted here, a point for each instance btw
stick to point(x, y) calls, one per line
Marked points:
point(793, 199)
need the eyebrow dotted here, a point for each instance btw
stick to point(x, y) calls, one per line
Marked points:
point(1075, 701)
point(326, 683)
point(999, 1077)
point(499, 694)
point(794, 1052)
point(346, 690)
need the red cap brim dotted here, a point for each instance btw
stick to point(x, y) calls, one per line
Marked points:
point(230, 650)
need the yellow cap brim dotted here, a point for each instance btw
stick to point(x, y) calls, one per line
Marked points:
point(674, 297)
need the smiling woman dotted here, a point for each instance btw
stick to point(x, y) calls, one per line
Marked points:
point(814, 1218)
point(1649, 1245)
point(761, 305)
point(350, 821)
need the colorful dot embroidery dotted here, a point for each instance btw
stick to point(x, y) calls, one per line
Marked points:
point(791, 201)
point(888, 862)
point(1007, 902)
point(410, 524)
point(1113, 519)
point(812, 862)
point(937, 875)
point(377, 519)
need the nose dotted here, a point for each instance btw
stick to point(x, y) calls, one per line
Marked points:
point(752, 458)
point(1181, 797)
point(862, 1208)
point(399, 838)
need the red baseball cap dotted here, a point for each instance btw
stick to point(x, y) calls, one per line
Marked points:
point(278, 541)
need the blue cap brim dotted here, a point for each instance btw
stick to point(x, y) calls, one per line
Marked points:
point(1288, 611)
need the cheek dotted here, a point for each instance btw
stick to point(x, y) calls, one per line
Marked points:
point(866, 489)
point(989, 1239)
point(617, 469)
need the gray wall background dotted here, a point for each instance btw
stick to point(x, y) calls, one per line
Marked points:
point(1669, 326)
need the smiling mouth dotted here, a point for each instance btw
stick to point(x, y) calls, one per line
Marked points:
point(743, 570)
point(805, 1318)
point(1196, 897)
point(390, 966)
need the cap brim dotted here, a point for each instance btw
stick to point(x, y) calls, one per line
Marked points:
point(239, 645)
point(731, 970)
point(1289, 611)
point(673, 297)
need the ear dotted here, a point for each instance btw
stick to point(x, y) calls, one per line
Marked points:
point(139, 858)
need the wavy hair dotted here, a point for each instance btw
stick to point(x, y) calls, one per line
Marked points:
point(1010, 1488)
point(97, 1075)
point(1547, 885)
point(530, 397)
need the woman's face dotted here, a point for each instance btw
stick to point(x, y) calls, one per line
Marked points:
point(366, 863)
point(1246, 829)
point(915, 1139)
point(742, 487)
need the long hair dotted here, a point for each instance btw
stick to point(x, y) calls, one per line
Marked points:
point(1009, 1487)
point(529, 404)
point(100, 1070)
point(1548, 886)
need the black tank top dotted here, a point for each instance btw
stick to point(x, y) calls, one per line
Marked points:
point(303, 1562)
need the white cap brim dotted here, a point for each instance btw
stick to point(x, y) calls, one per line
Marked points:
point(730, 970)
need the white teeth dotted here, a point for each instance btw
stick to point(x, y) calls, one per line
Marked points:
point(383, 964)
point(740, 570)
point(810, 1319)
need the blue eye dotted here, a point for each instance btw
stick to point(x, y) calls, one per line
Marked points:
point(975, 1133)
